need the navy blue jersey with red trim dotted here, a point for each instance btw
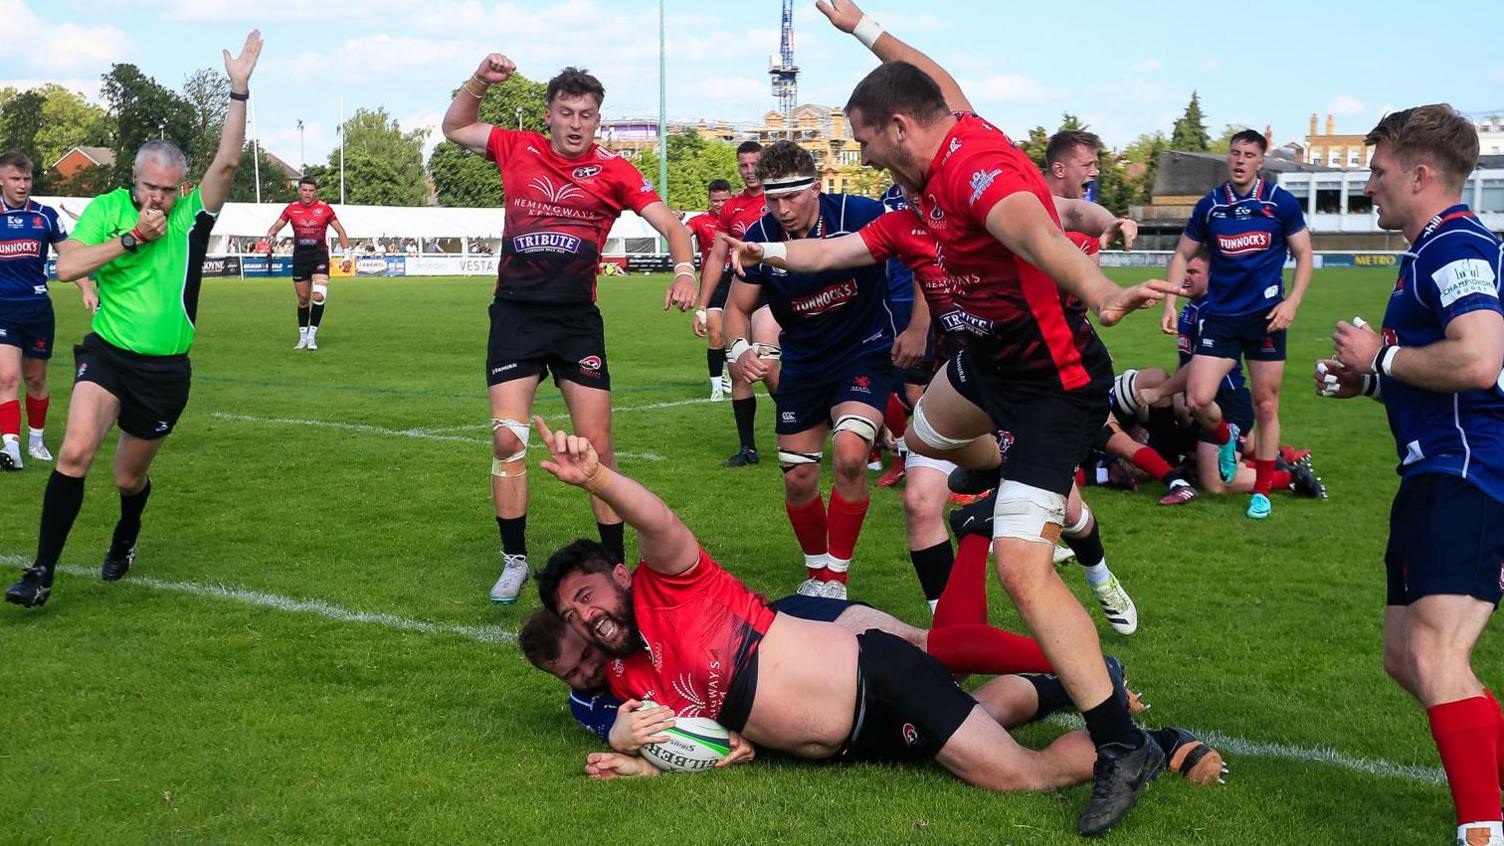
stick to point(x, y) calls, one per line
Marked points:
point(26, 236)
point(1247, 239)
point(836, 315)
point(1452, 269)
point(900, 278)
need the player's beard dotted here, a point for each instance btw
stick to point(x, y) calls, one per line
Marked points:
point(629, 637)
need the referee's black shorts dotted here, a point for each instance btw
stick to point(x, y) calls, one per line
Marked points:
point(152, 389)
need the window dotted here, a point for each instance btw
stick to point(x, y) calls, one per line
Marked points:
point(1300, 190)
point(1329, 198)
point(1353, 158)
point(1357, 203)
point(1493, 196)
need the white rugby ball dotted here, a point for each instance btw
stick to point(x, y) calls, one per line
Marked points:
point(694, 744)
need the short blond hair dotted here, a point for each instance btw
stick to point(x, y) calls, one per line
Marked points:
point(1437, 134)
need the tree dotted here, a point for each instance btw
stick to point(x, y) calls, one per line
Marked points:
point(692, 163)
point(1141, 165)
point(383, 164)
point(208, 91)
point(1189, 134)
point(866, 181)
point(1034, 145)
point(19, 122)
point(142, 110)
point(1224, 143)
point(68, 121)
point(462, 178)
point(274, 187)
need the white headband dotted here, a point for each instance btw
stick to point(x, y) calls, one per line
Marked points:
point(787, 184)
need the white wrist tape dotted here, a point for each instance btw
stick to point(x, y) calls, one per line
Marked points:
point(774, 250)
point(867, 31)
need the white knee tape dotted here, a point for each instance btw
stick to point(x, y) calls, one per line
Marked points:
point(927, 435)
point(320, 293)
point(519, 430)
point(859, 426)
point(789, 459)
point(1027, 513)
point(1076, 528)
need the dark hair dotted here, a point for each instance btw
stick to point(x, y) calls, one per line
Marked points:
point(748, 147)
point(16, 160)
point(1437, 133)
point(717, 185)
point(1203, 253)
point(575, 82)
point(582, 556)
point(785, 158)
point(1250, 136)
point(308, 180)
point(1068, 140)
point(540, 636)
point(897, 88)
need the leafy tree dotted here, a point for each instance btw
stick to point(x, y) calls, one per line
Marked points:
point(1224, 142)
point(142, 110)
point(383, 164)
point(274, 186)
point(866, 181)
point(1189, 133)
point(208, 91)
point(68, 121)
point(1142, 157)
point(463, 178)
point(19, 122)
point(692, 163)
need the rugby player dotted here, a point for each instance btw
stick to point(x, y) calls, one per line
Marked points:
point(26, 319)
point(708, 319)
point(686, 634)
point(311, 219)
point(563, 193)
point(1249, 226)
point(1033, 367)
point(841, 351)
point(145, 245)
point(1435, 365)
point(1070, 164)
point(737, 215)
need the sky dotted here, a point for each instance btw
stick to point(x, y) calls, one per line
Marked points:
point(1125, 69)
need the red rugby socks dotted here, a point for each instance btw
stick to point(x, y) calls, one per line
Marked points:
point(965, 598)
point(36, 412)
point(981, 649)
point(808, 521)
point(10, 418)
point(1467, 736)
point(845, 519)
point(1264, 475)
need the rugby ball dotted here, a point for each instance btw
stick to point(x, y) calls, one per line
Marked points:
point(694, 744)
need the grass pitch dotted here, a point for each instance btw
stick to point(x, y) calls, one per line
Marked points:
point(158, 710)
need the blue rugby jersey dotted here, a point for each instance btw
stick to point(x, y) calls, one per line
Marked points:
point(596, 713)
point(26, 235)
point(828, 317)
point(1453, 268)
point(900, 278)
point(1189, 329)
point(1246, 237)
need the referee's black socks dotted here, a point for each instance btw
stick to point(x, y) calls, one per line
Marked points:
point(60, 504)
point(129, 526)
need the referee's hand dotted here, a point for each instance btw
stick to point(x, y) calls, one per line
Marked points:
point(151, 223)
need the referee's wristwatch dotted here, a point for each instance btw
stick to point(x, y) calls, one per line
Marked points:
point(130, 242)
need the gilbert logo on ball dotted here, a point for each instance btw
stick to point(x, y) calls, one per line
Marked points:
point(694, 744)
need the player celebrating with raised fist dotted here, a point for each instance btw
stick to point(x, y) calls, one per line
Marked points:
point(563, 193)
point(311, 219)
point(1436, 367)
point(145, 245)
point(1033, 368)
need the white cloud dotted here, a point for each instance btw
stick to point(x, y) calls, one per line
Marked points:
point(88, 87)
point(1147, 65)
point(428, 120)
point(1346, 106)
point(1011, 88)
point(52, 48)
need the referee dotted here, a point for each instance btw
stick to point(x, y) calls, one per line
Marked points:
point(145, 245)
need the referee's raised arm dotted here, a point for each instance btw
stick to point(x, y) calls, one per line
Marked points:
point(215, 188)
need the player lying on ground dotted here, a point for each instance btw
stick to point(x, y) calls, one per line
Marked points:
point(688, 635)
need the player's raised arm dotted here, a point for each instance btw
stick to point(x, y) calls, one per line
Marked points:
point(665, 542)
point(1084, 216)
point(461, 122)
point(848, 17)
point(215, 187)
point(681, 291)
point(802, 255)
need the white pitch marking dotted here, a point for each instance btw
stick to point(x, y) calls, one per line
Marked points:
point(416, 434)
point(1228, 744)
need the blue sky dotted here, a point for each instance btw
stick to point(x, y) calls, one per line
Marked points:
point(1124, 68)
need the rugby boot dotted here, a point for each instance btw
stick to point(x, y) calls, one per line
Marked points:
point(32, 590)
point(742, 458)
point(1227, 455)
point(117, 562)
point(1117, 606)
point(37, 449)
point(10, 454)
point(1179, 495)
point(1118, 778)
point(1304, 481)
point(1259, 507)
point(1187, 755)
point(514, 574)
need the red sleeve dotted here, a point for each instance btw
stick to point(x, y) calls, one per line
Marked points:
point(499, 145)
point(332, 218)
point(881, 235)
point(633, 191)
point(1088, 244)
point(287, 211)
point(982, 180)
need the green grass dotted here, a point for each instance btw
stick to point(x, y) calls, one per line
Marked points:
point(140, 715)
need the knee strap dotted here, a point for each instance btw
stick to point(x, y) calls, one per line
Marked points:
point(1077, 528)
point(789, 459)
point(320, 293)
point(520, 431)
point(859, 426)
point(919, 424)
point(1027, 513)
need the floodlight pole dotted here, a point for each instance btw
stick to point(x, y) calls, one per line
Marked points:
point(255, 151)
point(341, 150)
point(662, 117)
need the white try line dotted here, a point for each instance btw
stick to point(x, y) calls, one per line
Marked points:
point(1226, 743)
point(564, 415)
point(415, 434)
point(315, 607)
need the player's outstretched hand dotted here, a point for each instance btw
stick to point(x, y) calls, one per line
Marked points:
point(1127, 300)
point(638, 724)
point(495, 69)
point(1125, 228)
point(743, 254)
point(239, 68)
point(844, 14)
point(1335, 381)
point(604, 766)
point(680, 295)
point(1354, 345)
point(741, 752)
point(572, 459)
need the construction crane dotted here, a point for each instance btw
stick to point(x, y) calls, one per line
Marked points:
point(784, 72)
